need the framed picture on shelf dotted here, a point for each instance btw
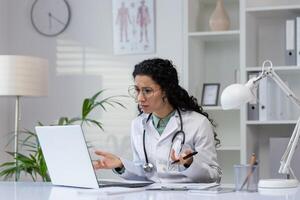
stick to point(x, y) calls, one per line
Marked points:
point(210, 94)
point(133, 26)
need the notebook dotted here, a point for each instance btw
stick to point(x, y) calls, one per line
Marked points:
point(68, 159)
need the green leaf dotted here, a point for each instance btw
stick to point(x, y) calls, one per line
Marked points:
point(118, 103)
point(97, 94)
point(86, 107)
point(63, 121)
point(8, 173)
point(101, 105)
point(40, 124)
point(7, 164)
point(98, 124)
point(75, 119)
point(32, 162)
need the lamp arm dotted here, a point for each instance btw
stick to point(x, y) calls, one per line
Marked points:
point(293, 137)
point(290, 94)
point(290, 150)
point(285, 161)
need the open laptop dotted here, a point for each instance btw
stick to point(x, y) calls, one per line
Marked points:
point(68, 159)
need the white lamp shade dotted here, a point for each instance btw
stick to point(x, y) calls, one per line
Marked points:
point(23, 76)
point(235, 95)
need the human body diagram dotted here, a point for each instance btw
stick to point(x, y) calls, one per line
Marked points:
point(134, 26)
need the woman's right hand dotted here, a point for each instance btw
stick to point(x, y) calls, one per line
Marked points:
point(108, 161)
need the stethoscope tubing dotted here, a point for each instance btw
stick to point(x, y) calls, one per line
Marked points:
point(147, 164)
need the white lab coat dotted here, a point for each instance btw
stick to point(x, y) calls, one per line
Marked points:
point(198, 137)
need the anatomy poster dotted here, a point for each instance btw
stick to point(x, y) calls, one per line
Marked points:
point(133, 26)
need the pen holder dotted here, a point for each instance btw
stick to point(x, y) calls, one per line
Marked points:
point(246, 177)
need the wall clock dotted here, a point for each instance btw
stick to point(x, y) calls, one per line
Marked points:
point(50, 17)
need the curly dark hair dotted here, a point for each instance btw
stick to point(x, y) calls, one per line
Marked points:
point(163, 72)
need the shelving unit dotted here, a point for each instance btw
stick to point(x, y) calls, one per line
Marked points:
point(257, 33)
point(213, 57)
point(264, 34)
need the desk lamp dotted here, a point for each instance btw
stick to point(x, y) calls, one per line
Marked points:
point(236, 95)
point(22, 76)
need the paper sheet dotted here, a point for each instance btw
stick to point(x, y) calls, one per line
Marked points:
point(109, 191)
point(181, 186)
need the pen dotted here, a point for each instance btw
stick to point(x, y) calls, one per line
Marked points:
point(185, 157)
point(252, 168)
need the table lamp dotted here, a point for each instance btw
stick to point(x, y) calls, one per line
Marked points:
point(236, 95)
point(22, 76)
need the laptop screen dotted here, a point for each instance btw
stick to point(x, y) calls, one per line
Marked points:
point(67, 156)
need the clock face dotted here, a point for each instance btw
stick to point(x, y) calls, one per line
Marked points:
point(50, 17)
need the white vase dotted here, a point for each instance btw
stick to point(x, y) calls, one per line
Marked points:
point(219, 20)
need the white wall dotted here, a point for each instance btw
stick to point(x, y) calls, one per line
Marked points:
point(4, 101)
point(82, 62)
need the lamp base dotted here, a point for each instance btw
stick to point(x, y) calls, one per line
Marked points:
point(278, 183)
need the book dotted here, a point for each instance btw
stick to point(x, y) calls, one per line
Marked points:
point(290, 42)
point(253, 107)
point(263, 96)
point(298, 40)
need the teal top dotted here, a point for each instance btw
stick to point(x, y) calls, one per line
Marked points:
point(160, 124)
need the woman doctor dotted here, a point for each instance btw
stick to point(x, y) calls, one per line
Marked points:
point(170, 126)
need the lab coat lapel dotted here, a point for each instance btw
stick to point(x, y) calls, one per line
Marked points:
point(171, 127)
point(150, 129)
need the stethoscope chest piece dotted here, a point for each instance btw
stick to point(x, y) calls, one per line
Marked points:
point(148, 167)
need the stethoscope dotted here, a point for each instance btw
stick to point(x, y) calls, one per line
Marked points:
point(148, 167)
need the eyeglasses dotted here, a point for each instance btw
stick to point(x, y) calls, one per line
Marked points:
point(134, 91)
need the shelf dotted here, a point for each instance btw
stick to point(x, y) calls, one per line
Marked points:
point(278, 12)
point(276, 68)
point(256, 122)
point(216, 35)
point(273, 8)
point(229, 148)
point(210, 2)
point(217, 108)
point(212, 108)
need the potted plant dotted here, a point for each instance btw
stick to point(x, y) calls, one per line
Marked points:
point(33, 162)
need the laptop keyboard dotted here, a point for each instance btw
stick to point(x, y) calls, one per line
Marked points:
point(122, 184)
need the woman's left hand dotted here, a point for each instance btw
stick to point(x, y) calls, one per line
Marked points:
point(108, 161)
point(186, 162)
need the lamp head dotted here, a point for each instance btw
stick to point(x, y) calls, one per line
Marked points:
point(236, 95)
point(23, 76)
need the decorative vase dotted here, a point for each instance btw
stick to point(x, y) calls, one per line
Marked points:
point(219, 20)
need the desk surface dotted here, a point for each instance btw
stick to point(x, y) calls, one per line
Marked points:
point(45, 191)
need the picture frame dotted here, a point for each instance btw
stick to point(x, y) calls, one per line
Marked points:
point(210, 94)
point(133, 26)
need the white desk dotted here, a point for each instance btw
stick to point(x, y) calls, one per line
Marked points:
point(45, 191)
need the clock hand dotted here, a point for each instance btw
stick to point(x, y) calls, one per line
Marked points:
point(50, 21)
point(56, 19)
